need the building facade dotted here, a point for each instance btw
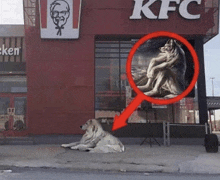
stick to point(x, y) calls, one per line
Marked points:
point(71, 79)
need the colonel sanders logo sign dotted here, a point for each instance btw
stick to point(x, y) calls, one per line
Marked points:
point(60, 19)
point(59, 12)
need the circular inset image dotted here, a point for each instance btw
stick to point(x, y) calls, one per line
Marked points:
point(162, 67)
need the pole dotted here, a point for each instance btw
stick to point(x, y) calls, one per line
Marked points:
point(212, 78)
point(201, 84)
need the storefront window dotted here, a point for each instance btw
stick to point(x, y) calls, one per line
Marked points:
point(13, 81)
point(13, 84)
point(13, 99)
point(14, 107)
point(186, 111)
point(113, 92)
point(110, 74)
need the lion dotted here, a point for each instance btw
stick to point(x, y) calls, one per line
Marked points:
point(96, 140)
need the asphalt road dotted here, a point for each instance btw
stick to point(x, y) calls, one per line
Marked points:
point(68, 174)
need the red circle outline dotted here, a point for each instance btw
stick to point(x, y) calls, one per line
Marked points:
point(170, 35)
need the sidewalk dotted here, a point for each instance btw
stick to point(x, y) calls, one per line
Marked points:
point(136, 158)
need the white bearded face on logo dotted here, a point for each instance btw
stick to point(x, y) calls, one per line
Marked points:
point(60, 12)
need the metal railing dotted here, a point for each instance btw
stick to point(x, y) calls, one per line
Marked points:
point(167, 126)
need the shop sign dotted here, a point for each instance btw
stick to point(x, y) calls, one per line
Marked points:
point(164, 9)
point(9, 51)
point(60, 19)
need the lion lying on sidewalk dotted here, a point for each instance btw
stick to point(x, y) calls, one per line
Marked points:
point(96, 140)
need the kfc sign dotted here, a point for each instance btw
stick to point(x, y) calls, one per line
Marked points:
point(9, 51)
point(164, 9)
point(60, 18)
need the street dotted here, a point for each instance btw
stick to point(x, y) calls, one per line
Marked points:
point(68, 174)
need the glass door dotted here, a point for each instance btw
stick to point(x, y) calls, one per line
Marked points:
point(12, 112)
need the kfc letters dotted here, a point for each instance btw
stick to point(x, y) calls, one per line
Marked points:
point(164, 9)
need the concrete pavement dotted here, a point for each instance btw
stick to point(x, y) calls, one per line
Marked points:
point(136, 158)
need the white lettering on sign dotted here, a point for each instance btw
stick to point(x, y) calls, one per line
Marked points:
point(9, 51)
point(164, 9)
point(183, 9)
point(145, 9)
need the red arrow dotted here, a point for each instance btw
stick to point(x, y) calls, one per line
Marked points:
point(120, 121)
